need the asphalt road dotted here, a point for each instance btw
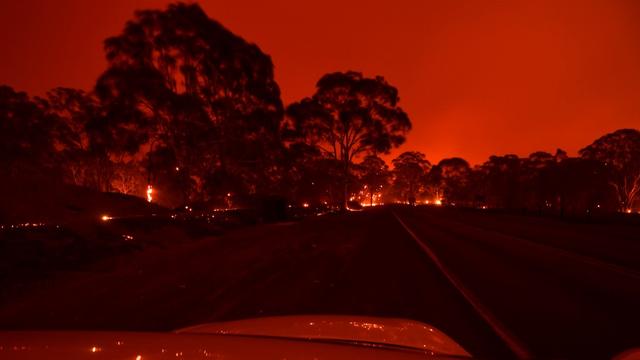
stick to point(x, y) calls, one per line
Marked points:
point(556, 289)
point(558, 296)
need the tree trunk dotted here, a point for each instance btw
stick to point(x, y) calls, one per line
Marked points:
point(346, 184)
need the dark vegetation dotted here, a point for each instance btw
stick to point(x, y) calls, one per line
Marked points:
point(193, 110)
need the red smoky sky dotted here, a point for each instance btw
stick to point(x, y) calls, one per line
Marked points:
point(476, 77)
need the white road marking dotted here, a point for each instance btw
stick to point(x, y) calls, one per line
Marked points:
point(516, 346)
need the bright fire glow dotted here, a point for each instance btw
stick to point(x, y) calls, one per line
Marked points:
point(438, 202)
point(149, 193)
point(305, 205)
point(106, 218)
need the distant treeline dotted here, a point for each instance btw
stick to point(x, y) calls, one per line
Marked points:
point(193, 110)
point(604, 178)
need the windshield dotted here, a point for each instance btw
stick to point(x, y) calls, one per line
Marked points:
point(472, 168)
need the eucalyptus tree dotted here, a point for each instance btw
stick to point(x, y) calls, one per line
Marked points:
point(179, 81)
point(619, 152)
point(27, 147)
point(452, 180)
point(374, 176)
point(409, 169)
point(349, 116)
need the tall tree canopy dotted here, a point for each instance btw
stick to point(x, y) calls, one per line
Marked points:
point(348, 116)
point(620, 153)
point(501, 177)
point(409, 170)
point(374, 176)
point(180, 82)
point(80, 140)
point(450, 179)
point(26, 145)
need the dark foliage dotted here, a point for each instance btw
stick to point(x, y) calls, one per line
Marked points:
point(192, 109)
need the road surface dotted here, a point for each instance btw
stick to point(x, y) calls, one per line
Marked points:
point(544, 287)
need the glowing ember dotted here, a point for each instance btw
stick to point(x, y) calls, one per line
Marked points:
point(149, 193)
point(24, 225)
point(305, 205)
point(106, 218)
point(438, 202)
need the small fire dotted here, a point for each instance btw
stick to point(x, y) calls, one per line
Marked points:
point(149, 193)
point(306, 205)
point(438, 202)
point(106, 218)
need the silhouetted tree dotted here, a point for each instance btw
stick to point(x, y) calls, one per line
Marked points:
point(80, 139)
point(128, 178)
point(409, 170)
point(181, 81)
point(500, 176)
point(450, 178)
point(619, 152)
point(27, 146)
point(349, 115)
point(374, 176)
point(583, 187)
point(538, 176)
point(312, 177)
